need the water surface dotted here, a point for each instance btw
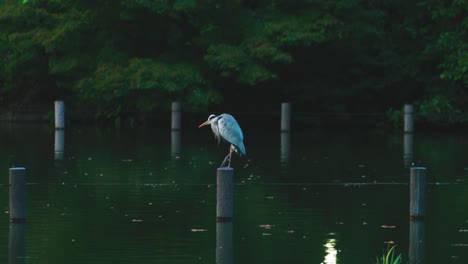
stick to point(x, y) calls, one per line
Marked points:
point(311, 196)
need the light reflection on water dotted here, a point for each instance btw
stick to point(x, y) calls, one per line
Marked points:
point(116, 197)
point(330, 251)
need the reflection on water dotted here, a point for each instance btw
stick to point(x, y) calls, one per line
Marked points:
point(224, 248)
point(17, 244)
point(176, 143)
point(330, 251)
point(285, 148)
point(59, 144)
point(128, 187)
point(417, 242)
point(408, 149)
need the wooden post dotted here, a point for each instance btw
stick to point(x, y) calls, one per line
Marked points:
point(408, 146)
point(224, 252)
point(59, 115)
point(176, 120)
point(17, 195)
point(417, 242)
point(417, 192)
point(285, 117)
point(59, 144)
point(224, 194)
point(409, 118)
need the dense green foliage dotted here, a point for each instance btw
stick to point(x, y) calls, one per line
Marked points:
point(121, 58)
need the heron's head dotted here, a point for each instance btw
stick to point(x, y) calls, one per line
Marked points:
point(210, 120)
point(211, 117)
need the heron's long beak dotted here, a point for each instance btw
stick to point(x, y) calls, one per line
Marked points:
point(204, 123)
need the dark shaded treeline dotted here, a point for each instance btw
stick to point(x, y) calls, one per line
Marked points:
point(129, 59)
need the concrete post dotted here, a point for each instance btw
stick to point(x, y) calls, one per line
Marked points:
point(59, 115)
point(417, 192)
point(224, 194)
point(409, 118)
point(176, 120)
point(285, 117)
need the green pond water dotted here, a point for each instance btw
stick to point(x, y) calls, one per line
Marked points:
point(311, 196)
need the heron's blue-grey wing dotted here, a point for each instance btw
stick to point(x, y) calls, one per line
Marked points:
point(230, 131)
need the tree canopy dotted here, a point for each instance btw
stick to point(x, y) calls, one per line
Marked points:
point(132, 57)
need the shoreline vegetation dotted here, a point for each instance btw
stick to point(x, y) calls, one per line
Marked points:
point(125, 61)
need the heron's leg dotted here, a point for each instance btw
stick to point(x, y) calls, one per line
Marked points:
point(231, 149)
point(224, 161)
point(228, 156)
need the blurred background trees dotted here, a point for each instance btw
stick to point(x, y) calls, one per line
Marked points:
point(130, 58)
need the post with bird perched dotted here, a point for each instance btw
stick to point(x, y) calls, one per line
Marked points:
point(176, 117)
point(59, 109)
point(285, 117)
point(225, 128)
point(17, 195)
point(224, 194)
point(408, 112)
point(417, 193)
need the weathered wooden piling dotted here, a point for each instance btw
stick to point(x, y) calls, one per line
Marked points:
point(176, 118)
point(224, 194)
point(59, 115)
point(408, 149)
point(408, 112)
point(59, 144)
point(285, 117)
point(17, 195)
point(417, 242)
point(224, 248)
point(17, 244)
point(417, 192)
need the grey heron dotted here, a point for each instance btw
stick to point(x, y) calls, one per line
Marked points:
point(225, 127)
